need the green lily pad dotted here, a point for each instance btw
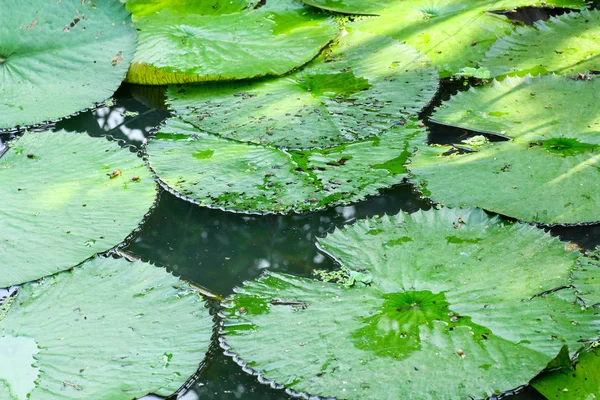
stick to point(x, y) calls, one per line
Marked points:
point(548, 182)
point(137, 330)
point(529, 108)
point(587, 279)
point(178, 45)
point(453, 33)
point(140, 8)
point(375, 7)
point(216, 172)
point(60, 57)
point(579, 383)
point(361, 86)
point(459, 304)
point(567, 44)
point(72, 196)
point(556, 151)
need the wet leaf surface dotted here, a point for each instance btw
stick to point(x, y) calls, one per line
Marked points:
point(469, 306)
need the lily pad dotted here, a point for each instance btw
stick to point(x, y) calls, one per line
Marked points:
point(137, 330)
point(556, 151)
point(453, 33)
point(374, 7)
point(458, 304)
point(548, 182)
point(567, 44)
point(177, 45)
point(60, 57)
point(529, 108)
point(140, 8)
point(582, 382)
point(72, 196)
point(361, 86)
point(217, 172)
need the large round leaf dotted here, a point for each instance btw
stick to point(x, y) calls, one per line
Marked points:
point(373, 7)
point(566, 44)
point(59, 57)
point(217, 172)
point(108, 330)
point(362, 85)
point(65, 197)
point(530, 108)
point(552, 181)
point(443, 304)
point(178, 46)
point(453, 33)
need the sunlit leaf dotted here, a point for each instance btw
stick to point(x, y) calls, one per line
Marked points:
point(107, 330)
point(360, 87)
point(547, 174)
point(453, 33)
point(567, 44)
point(140, 8)
point(177, 45)
point(222, 173)
point(551, 181)
point(59, 57)
point(65, 197)
point(458, 305)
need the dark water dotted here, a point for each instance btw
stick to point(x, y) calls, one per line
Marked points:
point(219, 250)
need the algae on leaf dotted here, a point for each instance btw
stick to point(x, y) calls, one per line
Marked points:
point(360, 86)
point(458, 305)
point(187, 44)
point(60, 57)
point(217, 172)
point(65, 197)
point(453, 33)
point(137, 330)
point(567, 44)
point(554, 125)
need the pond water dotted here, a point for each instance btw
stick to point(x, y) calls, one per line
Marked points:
point(219, 250)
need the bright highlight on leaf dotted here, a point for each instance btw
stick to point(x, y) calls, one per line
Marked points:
point(422, 324)
point(361, 86)
point(547, 174)
point(453, 33)
point(567, 44)
point(184, 44)
point(65, 197)
point(217, 172)
point(60, 57)
point(137, 330)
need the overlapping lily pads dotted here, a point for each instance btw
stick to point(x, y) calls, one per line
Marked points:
point(65, 197)
point(547, 174)
point(453, 33)
point(222, 173)
point(184, 44)
point(59, 57)
point(567, 44)
point(361, 86)
point(140, 8)
point(137, 330)
point(448, 304)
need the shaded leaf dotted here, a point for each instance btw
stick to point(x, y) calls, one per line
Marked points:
point(70, 195)
point(459, 305)
point(59, 57)
point(361, 86)
point(138, 330)
point(217, 172)
point(579, 383)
